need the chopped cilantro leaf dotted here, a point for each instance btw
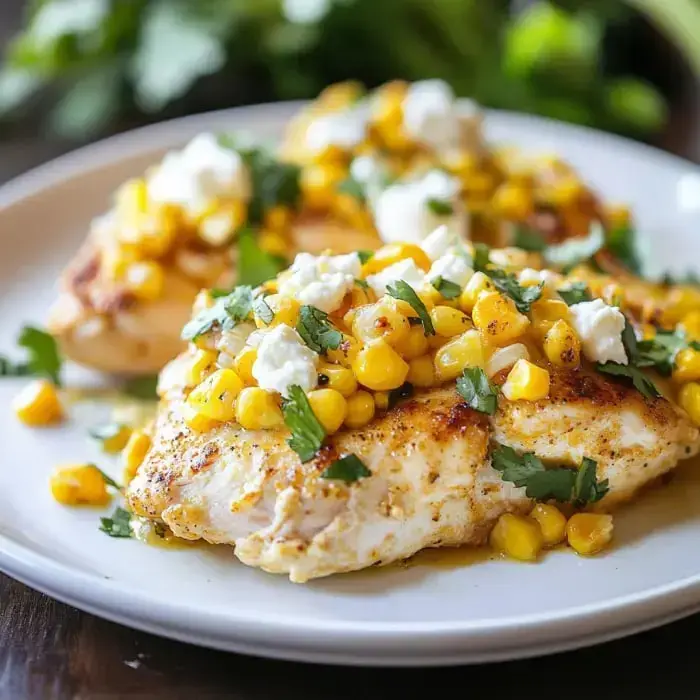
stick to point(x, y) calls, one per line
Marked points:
point(365, 255)
point(528, 239)
point(449, 290)
point(508, 284)
point(142, 387)
point(575, 293)
point(587, 489)
point(224, 314)
point(403, 291)
point(255, 266)
point(629, 340)
point(239, 303)
point(307, 433)
point(480, 258)
point(440, 207)
point(660, 352)
point(43, 358)
point(13, 369)
point(118, 525)
point(620, 242)
point(640, 382)
point(316, 331)
point(348, 469)
point(476, 389)
point(361, 283)
point(263, 311)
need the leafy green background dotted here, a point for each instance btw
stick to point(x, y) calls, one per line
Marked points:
point(96, 63)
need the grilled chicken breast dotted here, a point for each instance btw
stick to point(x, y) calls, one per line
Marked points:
point(431, 483)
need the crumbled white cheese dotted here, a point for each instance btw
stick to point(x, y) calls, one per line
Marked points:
point(198, 175)
point(402, 212)
point(363, 169)
point(283, 359)
point(234, 340)
point(321, 281)
point(552, 280)
point(430, 114)
point(345, 129)
point(506, 357)
point(599, 328)
point(439, 242)
point(405, 270)
point(452, 267)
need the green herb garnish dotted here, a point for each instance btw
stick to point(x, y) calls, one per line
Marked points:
point(263, 311)
point(403, 291)
point(307, 433)
point(43, 358)
point(226, 312)
point(353, 188)
point(118, 525)
point(108, 479)
point(508, 284)
point(142, 387)
point(316, 331)
point(480, 258)
point(440, 207)
point(361, 283)
point(476, 389)
point(575, 293)
point(640, 382)
point(528, 239)
point(587, 488)
point(365, 255)
point(620, 242)
point(449, 290)
point(255, 266)
point(348, 469)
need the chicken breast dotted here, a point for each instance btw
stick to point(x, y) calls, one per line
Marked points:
point(431, 482)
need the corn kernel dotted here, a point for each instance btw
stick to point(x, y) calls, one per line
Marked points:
point(243, 364)
point(117, 440)
point(589, 533)
point(680, 302)
point(545, 312)
point(278, 218)
point(346, 352)
point(134, 452)
point(421, 371)
point(380, 320)
point(116, 259)
point(459, 353)
point(512, 201)
point(687, 366)
point(79, 484)
point(526, 382)
point(339, 378)
point(360, 409)
point(274, 243)
point(258, 409)
point(145, 279)
point(395, 252)
point(562, 346)
point(478, 284)
point(689, 399)
point(449, 322)
point(199, 366)
point(197, 421)
point(285, 309)
point(318, 183)
point(330, 407)
point(381, 400)
point(378, 366)
point(131, 199)
point(414, 344)
point(215, 397)
point(691, 325)
point(498, 320)
point(517, 536)
point(552, 522)
point(219, 225)
point(38, 404)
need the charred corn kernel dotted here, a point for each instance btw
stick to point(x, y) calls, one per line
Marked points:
point(505, 358)
point(131, 199)
point(278, 218)
point(199, 366)
point(339, 378)
point(330, 407)
point(545, 312)
point(318, 184)
point(218, 226)
point(38, 404)
point(562, 346)
point(257, 409)
point(498, 320)
point(393, 253)
point(346, 352)
point(116, 441)
point(518, 537)
point(378, 366)
point(463, 351)
point(380, 320)
point(79, 485)
point(243, 365)
point(414, 344)
point(145, 279)
point(360, 409)
point(134, 452)
point(477, 285)
point(421, 371)
point(689, 399)
point(589, 533)
point(691, 325)
point(285, 311)
point(195, 421)
point(552, 523)
point(526, 382)
point(687, 366)
point(381, 400)
point(273, 242)
point(512, 201)
point(449, 322)
point(215, 397)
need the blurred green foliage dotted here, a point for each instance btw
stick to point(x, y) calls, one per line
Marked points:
point(97, 60)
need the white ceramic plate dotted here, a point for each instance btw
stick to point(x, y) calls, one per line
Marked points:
point(429, 613)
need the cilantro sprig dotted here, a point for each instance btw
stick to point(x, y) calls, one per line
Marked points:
point(575, 293)
point(118, 524)
point(440, 207)
point(660, 352)
point(528, 239)
point(448, 289)
point(476, 389)
point(403, 291)
point(307, 432)
point(639, 380)
point(349, 468)
point(42, 356)
point(255, 265)
point(316, 330)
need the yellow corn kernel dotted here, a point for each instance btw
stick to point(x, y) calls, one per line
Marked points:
point(517, 536)
point(414, 344)
point(339, 378)
point(133, 453)
point(498, 320)
point(145, 279)
point(552, 522)
point(215, 397)
point(680, 302)
point(526, 382)
point(378, 366)
point(79, 485)
point(566, 192)
point(153, 234)
point(421, 371)
point(199, 366)
point(691, 325)
point(278, 218)
point(218, 226)
point(394, 252)
point(689, 399)
point(116, 259)
point(380, 320)
point(360, 409)
point(512, 201)
point(457, 354)
point(562, 346)
point(429, 296)
point(197, 421)
point(131, 199)
point(330, 407)
point(359, 296)
point(449, 322)
point(273, 242)
point(318, 183)
point(545, 312)
point(381, 400)
point(116, 442)
point(346, 352)
point(38, 404)
point(258, 409)
point(285, 310)
point(477, 285)
point(243, 364)
point(589, 533)
point(687, 366)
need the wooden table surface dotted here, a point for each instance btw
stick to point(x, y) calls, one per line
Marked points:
point(49, 650)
